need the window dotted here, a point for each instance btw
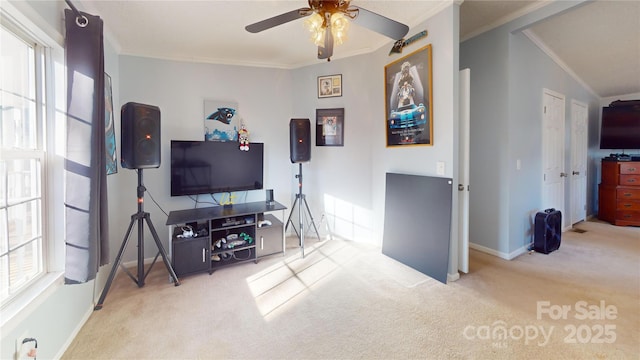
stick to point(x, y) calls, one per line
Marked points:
point(22, 164)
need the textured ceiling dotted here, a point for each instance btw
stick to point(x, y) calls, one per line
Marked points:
point(213, 31)
point(598, 41)
point(477, 16)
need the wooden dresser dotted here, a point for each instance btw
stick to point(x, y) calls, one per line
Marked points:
point(619, 192)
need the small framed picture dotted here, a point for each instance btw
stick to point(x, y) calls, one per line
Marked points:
point(330, 127)
point(329, 86)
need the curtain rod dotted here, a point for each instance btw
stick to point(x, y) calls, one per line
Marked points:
point(81, 20)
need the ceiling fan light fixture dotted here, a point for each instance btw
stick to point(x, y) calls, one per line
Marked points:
point(328, 23)
point(315, 26)
point(339, 27)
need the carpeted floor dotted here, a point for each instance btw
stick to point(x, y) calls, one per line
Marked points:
point(346, 300)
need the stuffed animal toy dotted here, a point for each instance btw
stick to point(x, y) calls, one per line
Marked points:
point(243, 138)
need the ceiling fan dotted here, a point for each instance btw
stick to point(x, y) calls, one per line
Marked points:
point(328, 21)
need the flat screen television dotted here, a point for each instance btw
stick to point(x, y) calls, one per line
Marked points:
point(620, 128)
point(208, 167)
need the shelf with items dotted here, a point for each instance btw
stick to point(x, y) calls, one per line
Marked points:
point(232, 245)
point(190, 230)
point(226, 258)
point(231, 222)
point(236, 224)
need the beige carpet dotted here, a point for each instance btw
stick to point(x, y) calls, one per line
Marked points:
point(348, 301)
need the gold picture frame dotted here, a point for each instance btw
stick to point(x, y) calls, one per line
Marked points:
point(329, 86)
point(409, 99)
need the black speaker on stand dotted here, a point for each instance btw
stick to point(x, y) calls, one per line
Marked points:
point(300, 140)
point(300, 148)
point(140, 149)
point(140, 136)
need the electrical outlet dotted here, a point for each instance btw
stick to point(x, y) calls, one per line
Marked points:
point(440, 168)
point(19, 355)
point(23, 349)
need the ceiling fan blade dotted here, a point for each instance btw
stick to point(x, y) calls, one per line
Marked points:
point(277, 20)
point(381, 24)
point(326, 51)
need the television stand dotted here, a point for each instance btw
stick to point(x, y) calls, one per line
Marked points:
point(223, 235)
point(619, 192)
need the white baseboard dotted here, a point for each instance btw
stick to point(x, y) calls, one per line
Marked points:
point(453, 277)
point(489, 251)
point(147, 261)
point(520, 251)
point(507, 256)
point(74, 333)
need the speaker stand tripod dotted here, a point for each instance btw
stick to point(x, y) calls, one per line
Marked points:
point(138, 217)
point(301, 198)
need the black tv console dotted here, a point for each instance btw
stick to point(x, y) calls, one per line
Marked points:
point(224, 235)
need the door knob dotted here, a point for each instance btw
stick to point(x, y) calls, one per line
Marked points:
point(576, 173)
point(563, 174)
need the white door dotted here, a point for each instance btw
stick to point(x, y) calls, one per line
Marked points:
point(553, 152)
point(579, 128)
point(463, 172)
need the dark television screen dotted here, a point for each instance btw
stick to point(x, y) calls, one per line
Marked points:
point(620, 127)
point(208, 167)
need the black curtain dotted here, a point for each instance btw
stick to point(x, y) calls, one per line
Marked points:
point(86, 213)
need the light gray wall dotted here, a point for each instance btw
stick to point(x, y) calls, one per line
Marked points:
point(508, 75)
point(354, 175)
point(531, 71)
point(179, 90)
point(487, 56)
point(343, 173)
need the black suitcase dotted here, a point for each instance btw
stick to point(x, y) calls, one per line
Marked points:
point(548, 229)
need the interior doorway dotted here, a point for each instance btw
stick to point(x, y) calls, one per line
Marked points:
point(463, 169)
point(553, 130)
point(579, 146)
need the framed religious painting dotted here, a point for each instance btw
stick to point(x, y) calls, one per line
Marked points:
point(409, 100)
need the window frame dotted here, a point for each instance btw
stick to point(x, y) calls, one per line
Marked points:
point(50, 101)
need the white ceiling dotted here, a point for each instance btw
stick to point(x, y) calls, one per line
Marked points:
point(599, 41)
